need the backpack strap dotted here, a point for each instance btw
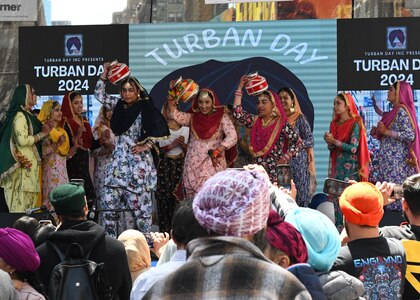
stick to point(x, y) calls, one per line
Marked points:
point(57, 250)
point(74, 249)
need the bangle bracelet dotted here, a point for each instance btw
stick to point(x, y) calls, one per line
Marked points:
point(103, 77)
point(286, 157)
point(393, 134)
point(337, 143)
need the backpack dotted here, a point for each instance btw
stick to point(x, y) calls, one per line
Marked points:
point(77, 277)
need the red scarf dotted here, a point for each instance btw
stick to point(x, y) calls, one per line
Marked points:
point(263, 139)
point(69, 119)
point(205, 126)
point(342, 132)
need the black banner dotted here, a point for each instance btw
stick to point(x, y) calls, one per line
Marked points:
point(57, 59)
point(374, 53)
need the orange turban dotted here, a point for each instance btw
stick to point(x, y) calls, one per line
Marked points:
point(362, 204)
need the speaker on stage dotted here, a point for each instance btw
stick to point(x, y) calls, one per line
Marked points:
point(7, 219)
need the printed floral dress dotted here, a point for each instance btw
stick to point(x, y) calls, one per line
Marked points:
point(299, 163)
point(269, 161)
point(392, 156)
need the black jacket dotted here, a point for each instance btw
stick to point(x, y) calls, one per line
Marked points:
point(90, 236)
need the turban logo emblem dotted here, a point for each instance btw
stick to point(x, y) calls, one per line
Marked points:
point(73, 45)
point(396, 38)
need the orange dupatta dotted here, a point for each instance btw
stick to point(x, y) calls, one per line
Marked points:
point(342, 132)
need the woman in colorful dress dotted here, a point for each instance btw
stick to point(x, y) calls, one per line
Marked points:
point(131, 177)
point(302, 166)
point(20, 150)
point(102, 156)
point(54, 150)
point(273, 140)
point(212, 134)
point(347, 142)
point(170, 169)
point(81, 141)
point(398, 132)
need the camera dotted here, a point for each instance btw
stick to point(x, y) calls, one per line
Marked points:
point(334, 186)
point(397, 192)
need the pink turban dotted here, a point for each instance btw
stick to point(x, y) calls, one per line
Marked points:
point(233, 203)
point(286, 238)
point(18, 250)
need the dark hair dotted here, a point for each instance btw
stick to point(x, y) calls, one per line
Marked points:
point(55, 104)
point(259, 239)
point(132, 81)
point(411, 193)
point(287, 90)
point(27, 225)
point(73, 95)
point(341, 96)
point(37, 232)
point(264, 93)
point(185, 227)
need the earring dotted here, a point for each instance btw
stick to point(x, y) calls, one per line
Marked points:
point(138, 95)
point(273, 114)
point(292, 109)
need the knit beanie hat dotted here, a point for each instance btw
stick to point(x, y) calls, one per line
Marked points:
point(320, 235)
point(362, 204)
point(233, 203)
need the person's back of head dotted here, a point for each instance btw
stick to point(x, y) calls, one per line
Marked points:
point(411, 193)
point(321, 203)
point(19, 257)
point(69, 201)
point(138, 252)
point(286, 245)
point(233, 203)
point(362, 207)
point(320, 235)
point(28, 225)
point(185, 226)
point(36, 231)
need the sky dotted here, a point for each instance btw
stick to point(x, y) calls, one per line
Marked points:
point(85, 12)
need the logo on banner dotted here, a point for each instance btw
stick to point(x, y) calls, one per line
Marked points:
point(396, 38)
point(73, 45)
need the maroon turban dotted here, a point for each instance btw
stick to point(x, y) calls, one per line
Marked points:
point(18, 250)
point(285, 237)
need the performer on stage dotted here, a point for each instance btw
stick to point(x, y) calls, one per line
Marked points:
point(102, 156)
point(171, 166)
point(81, 141)
point(54, 150)
point(303, 164)
point(398, 132)
point(20, 150)
point(212, 134)
point(131, 177)
point(273, 139)
point(346, 140)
